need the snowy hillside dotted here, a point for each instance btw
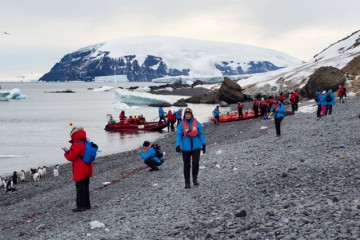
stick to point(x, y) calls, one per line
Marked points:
point(336, 55)
point(150, 57)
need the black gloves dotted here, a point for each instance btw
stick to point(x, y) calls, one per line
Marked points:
point(203, 148)
point(178, 149)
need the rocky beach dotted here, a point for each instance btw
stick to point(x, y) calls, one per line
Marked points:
point(253, 185)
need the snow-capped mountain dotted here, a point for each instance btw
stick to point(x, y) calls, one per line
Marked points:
point(337, 55)
point(150, 57)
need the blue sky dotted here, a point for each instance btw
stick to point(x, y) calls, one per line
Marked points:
point(43, 31)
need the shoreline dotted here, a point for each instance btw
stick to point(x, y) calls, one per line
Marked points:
point(292, 186)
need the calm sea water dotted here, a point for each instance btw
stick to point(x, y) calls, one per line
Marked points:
point(33, 130)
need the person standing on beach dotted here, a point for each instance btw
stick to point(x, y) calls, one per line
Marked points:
point(190, 140)
point(292, 102)
point(161, 114)
point(82, 171)
point(216, 114)
point(297, 98)
point(330, 102)
point(318, 97)
point(341, 93)
point(255, 107)
point(323, 103)
point(263, 108)
point(278, 110)
point(178, 116)
point(240, 107)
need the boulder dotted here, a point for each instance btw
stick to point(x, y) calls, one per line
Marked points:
point(323, 79)
point(164, 104)
point(194, 99)
point(210, 99)
point(180, 103)
point(223, 104)
point(197, 82)
point(230, 92)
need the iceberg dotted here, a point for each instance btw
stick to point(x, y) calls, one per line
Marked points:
point(103, 89)
point(139, 98)
point(112, 78)
point(14, 93)
point(189, 80)
point(142, 89)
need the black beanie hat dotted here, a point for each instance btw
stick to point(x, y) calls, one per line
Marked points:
point(146, 144)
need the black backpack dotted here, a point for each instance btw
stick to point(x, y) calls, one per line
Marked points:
point(328, 98)
point(158, 152)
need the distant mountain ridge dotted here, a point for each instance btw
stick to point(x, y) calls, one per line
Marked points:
point(150, 57)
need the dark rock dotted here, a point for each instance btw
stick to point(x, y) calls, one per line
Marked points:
point(180, 103)
point(194, 99)
point(230, 92)
point(334, 199)
point(64, 91)
point(284, 175)
point(133, 88)
point(197, 82)
point(242, 213)
point(164, 104)
point(223, 104)
point(211, 99)
point(323, 79)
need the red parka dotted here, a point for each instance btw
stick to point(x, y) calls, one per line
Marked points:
point(292, 99)
point(81, 170)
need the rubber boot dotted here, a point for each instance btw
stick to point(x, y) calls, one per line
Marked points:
point(187, 184)
point(195, 182)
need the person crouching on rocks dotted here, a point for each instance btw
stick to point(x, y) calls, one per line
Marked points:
point(149, 156)
point(82, 171)
point(192, 140)
point(278, 110)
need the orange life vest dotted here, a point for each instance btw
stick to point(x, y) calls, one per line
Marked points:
point(190, 132)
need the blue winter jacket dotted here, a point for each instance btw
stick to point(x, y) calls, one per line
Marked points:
point(318, 97)
point(323, 100)
point(161, 112)
point(151, 154)
point(332, 98)
point(178, 115)
point(216, 112)
point(280, 111)
point(190, 143)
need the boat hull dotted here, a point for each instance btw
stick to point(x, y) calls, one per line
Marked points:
point(147, 126)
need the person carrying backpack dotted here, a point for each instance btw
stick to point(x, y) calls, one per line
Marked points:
point(151, 155)
point(318, 97)
point(82, 171)
point(190, 140)
point(330, 100)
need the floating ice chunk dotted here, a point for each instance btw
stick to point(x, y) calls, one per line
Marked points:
point(103, 89)
point(170, 89)
point(142, 89)
point(263, 127)
point(124, 106)
point(96, 224)
point(14, 93)
point(139, 98)
point(189, 83)
point(106, 183)
point(112, 78)
point(202, 167)
point(218, 166)
point(234, 169)
point(218, 152)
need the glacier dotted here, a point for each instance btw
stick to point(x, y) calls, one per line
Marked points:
point(139, 98)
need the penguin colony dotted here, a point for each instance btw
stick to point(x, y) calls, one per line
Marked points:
point(35, 174)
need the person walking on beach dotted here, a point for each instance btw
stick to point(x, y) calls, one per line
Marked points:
point(170, 120)
point(178, 116)
point(263, 108)
point(341, 93)
point(323, 103)
point(255, 106)
point(150, 156)
point(297, 98)
point(216, 114)
point(240, 107)
point(318, 97)
point(292, 102)
point(330, 100)
point(190, 140)
point(82, 171)
point(278, 110)
point(161, 114)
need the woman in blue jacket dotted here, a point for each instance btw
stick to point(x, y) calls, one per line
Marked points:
point(278, 110)
point(191, 138)
point(330, 103)
point(149, 156)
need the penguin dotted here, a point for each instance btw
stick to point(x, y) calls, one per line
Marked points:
point(22, 176)
point(32, 171)
point(56, 171)
point(1, 182)
point(40, 171)
point(10, 186)
point(15, 177)
point(4, 182)
point(44, 171)
point(36, 177)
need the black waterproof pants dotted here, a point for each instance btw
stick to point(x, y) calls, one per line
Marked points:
point(82, 193)
point(277, 125)
point(191, 158)
point(152, 164)
point(318, 111)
